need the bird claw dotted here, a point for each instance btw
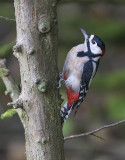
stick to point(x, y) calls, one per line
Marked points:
point(60, 79)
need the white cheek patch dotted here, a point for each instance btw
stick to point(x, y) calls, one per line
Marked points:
point(94, 47)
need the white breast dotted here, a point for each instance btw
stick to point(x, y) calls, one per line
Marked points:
point(73, 67)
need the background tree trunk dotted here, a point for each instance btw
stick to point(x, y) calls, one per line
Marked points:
point(36, 50)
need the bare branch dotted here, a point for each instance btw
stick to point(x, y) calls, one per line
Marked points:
point(7, 19)
point(18, 103)
point(95, 131)
point(11, 86)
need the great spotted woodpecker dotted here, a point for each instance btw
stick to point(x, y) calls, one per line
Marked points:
point(79, 69)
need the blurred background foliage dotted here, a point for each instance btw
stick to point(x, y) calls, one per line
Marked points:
point(105, 101)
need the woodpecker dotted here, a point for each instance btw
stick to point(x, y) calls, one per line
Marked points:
point(80, 67)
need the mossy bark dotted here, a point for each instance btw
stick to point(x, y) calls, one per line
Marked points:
point(36, 50)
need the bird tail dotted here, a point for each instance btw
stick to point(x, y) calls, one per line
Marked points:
point(65, 111)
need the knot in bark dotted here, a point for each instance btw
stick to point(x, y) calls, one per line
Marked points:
point(17, 48)
point(37, 81)
point(44, 24)
point(44, 140)
point(42, 86)
point(31, 51)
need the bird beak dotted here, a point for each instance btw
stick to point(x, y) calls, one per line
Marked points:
point(86, 35)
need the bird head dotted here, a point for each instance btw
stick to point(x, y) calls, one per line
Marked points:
point(95, 44)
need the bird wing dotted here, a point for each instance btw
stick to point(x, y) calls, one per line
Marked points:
point(85, 82)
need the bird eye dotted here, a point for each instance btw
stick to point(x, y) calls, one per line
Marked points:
point(93, 42)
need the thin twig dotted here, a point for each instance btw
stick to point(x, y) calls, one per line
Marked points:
point(7, 19)
point(18, 103)
point(11, 86)
point(94, 131)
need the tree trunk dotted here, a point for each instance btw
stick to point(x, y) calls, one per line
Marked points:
point(36, 50)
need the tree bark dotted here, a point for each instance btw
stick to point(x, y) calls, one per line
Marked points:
point(36, 50)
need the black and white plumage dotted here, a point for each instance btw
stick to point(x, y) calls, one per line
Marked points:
point(79, 69)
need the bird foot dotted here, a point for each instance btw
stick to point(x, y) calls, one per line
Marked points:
point(60, 79)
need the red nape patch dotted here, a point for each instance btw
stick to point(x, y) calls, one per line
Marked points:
point(103, 52)
point(71, 96)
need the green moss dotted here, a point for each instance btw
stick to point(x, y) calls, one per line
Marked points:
point(21, 115)
point(8, 114)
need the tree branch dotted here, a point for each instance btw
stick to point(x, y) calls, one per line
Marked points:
point(95, 131)
point(7, 19)
point(11, 86)
point(18, 103)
